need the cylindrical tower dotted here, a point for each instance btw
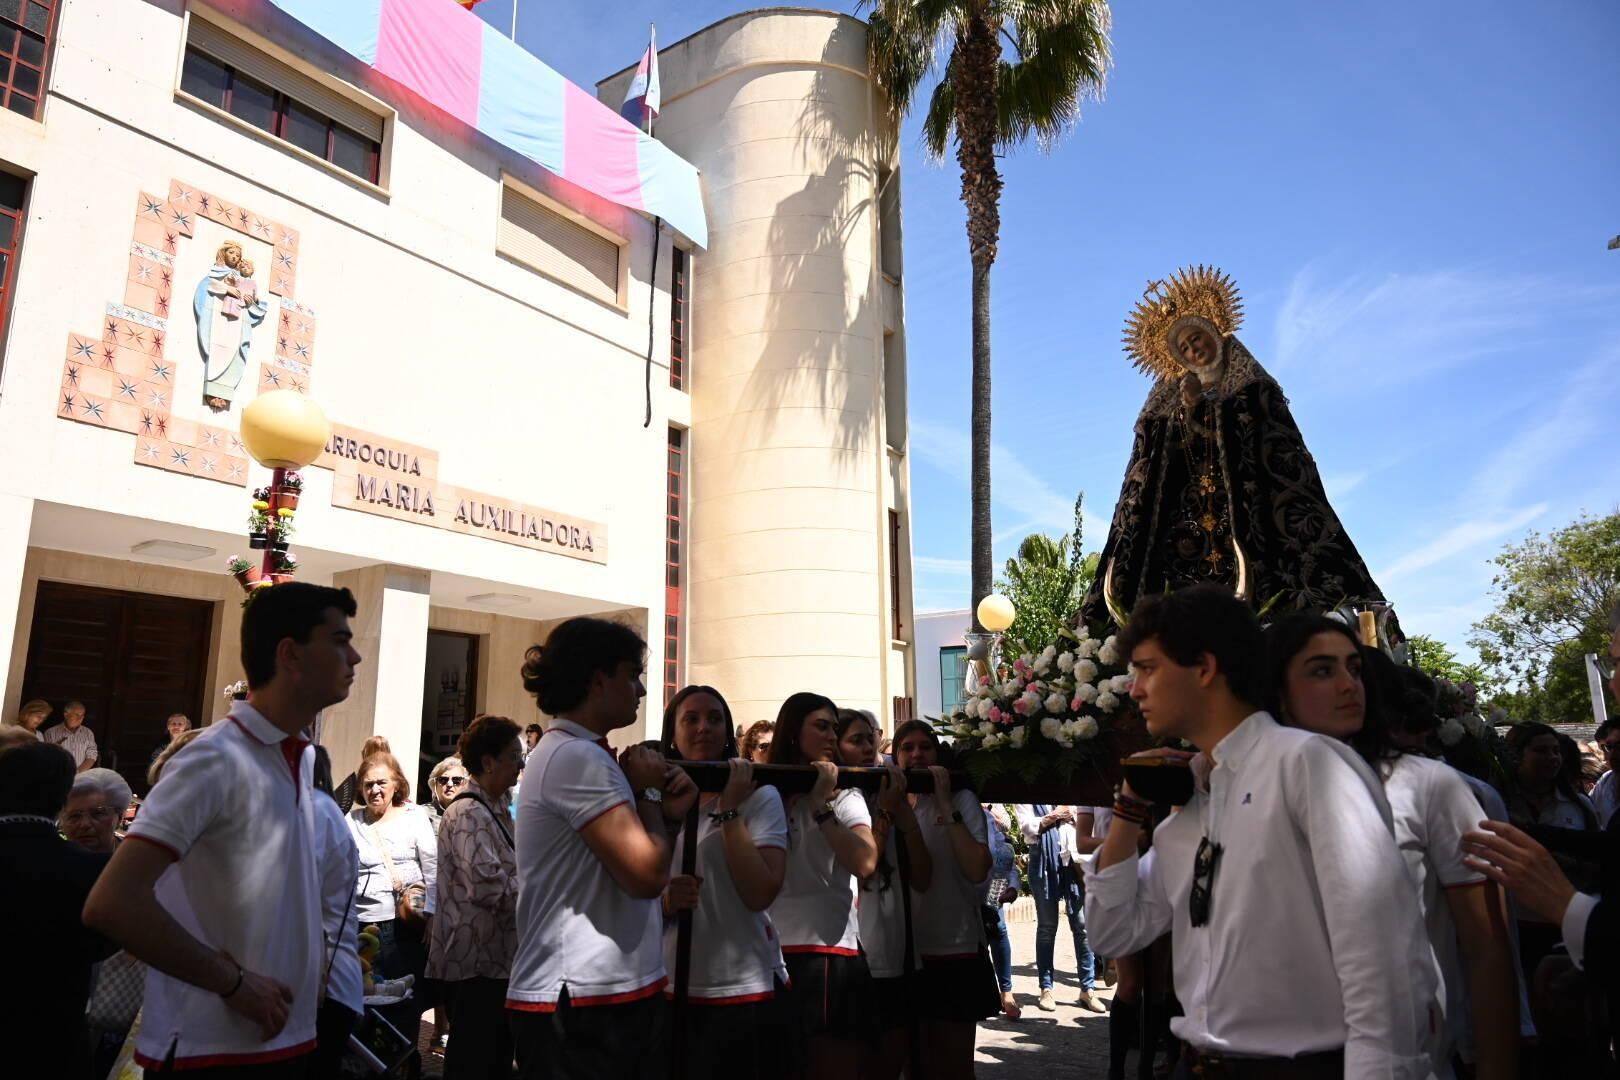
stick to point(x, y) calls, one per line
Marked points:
point(799, 531)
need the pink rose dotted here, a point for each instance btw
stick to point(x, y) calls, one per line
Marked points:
point(1020, 708)
point(995, 714)
point(1077, 704)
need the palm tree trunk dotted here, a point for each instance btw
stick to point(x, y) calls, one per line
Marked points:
point(974, 73)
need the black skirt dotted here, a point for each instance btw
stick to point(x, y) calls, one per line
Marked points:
point(832, 995)
point(892, 1005)
point(750, 1040)
point(959, 988)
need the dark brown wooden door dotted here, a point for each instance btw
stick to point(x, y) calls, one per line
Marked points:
point(131, 658)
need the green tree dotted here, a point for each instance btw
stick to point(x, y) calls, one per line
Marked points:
point(1554, 596)
point(1045, 582)
point(988, 103)
point(1436, 658)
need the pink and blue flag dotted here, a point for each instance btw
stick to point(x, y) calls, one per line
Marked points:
point(642, 99)
point(458, 63)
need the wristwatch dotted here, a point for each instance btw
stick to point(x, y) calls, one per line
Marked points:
point(821, 817)
point(652, 795)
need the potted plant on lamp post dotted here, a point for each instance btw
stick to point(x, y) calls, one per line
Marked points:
point(243, 570)
point(286, 565)
point(287, 491)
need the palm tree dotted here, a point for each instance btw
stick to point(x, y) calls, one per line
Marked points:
point(1060, 55)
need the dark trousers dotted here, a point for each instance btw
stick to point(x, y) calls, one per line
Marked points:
point(481, 1037)
point(333, 1023)
point(596, 1042)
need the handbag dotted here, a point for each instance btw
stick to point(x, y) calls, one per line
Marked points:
point(408, 901)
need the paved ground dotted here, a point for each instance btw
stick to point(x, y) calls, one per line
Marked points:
point(1068, 1044)
point(1065, 1045)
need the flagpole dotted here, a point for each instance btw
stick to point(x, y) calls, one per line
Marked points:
point(514, 20)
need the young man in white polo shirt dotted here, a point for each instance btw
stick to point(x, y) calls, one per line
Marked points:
point(1295, 923)
point(232, 933)
point(593, 857)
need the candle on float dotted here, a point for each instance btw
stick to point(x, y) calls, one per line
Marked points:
point(1369, 629)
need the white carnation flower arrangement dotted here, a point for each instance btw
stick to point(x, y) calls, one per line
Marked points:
point(1043, 712)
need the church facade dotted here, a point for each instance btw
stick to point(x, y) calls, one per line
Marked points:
point(543, 403)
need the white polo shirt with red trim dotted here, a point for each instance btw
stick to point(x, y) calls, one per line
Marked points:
point(735, 955)
point(947, 919)
point(234, 809)
point(815, 911)
point(576, 927)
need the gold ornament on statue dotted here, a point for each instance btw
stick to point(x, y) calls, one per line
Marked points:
point(1200, 291)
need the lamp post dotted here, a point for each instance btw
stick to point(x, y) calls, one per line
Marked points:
point(283, 430)
point(996, 613)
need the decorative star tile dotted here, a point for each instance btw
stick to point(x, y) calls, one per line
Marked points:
point(281, 284)
point(272, 378)
point(236, 444)
point(157, 335)
point(210, 438)
point(156, 400)
point(93, 408)
point(286, 320)
point(179, 457)
point(146, 422)
point(181, 221)
point(180, 195)
point(302, 350)
point(203, 203)
point(284, 259)
point(143, 271)
point(298, 385)
point(82, 349)
point(152, 206)
point(233, 470)
point(288, 238)
point(171, 241)
point(262, 227)
point(68, 403)
point(160, 370)
point(111, 333)
point(73, 375)
point(168, 280)
point(162, 305)
point(126, 388)
point(303, 328)
point(162, 423)
point(132, 334)
point(150, 451)
point(107, 356)
point(242, 216)
point(208, 464)
point(282, 344)
point(222, 210)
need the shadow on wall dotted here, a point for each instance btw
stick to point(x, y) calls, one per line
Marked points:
point(819, 237)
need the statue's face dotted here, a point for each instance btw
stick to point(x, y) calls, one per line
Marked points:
point(230, 255)
point(1196, 347)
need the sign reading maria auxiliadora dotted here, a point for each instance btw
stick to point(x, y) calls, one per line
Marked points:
point(378, 475)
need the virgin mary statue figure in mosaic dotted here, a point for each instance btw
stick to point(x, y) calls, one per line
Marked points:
point(228, 310)
point(1220, 486)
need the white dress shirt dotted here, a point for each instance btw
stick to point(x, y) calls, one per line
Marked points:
point(1605, 798)
point(339, 870)
point(1314, 940)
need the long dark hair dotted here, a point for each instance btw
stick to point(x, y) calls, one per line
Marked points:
point(1287, 637)
point(848, 718)
point(790, 721)
point(1519, 736)
point(666, 741)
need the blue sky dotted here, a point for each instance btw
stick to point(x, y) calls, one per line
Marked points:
point(1415, 200)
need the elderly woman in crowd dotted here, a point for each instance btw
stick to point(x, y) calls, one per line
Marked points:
point(399, 857)
point(444, 784)
point(94, 808)
point(348, 790)
point(32, 716)
point(474, 934)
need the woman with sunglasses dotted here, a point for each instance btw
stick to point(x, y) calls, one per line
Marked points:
point(830, 848)
point(445, 782)
point(737, 1028)
point(1315, 680)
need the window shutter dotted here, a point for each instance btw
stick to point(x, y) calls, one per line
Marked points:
point(546, 241)
point(206, 37)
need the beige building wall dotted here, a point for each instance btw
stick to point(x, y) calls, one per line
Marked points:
point(797, 464)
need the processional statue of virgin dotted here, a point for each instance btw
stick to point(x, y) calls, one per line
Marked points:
point(1220, 486)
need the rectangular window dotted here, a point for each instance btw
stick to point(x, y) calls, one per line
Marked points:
point(262, 92)
point(26, 27)
point(542, 239)
point(674, 505)
point(678, 313)
point(13, 194)
point(894, 574)
point(952, 677)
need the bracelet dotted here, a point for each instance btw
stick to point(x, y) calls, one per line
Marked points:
point(824, 815)
point(1120, 796)
point(1130, 814)
point(720, 817)
point(240, 975)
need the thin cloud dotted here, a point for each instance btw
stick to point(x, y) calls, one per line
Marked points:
point(1379, 331)
point(1461, 538)
point(933, 564)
